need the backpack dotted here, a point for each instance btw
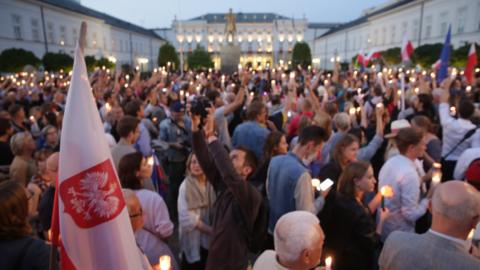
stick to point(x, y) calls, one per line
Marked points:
point(472, 174)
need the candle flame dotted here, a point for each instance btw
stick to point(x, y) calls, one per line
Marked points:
point(150, 161)
point(328, 261)
point(165, 262)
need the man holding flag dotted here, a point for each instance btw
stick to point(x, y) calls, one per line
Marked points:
point(90, 213)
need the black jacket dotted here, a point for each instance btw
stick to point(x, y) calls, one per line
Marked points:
point(350, 235)
point(26, 253)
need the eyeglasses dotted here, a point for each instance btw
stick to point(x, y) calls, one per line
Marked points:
point(137, 214)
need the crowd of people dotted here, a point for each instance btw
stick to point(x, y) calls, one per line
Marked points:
point(265, 168)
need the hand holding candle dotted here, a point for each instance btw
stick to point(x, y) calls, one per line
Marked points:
point(436, 173)
point(386, 191)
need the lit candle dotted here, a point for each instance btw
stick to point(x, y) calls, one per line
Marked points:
point(379, 105)
point(432, 75)
point(328, 263)
point(352, 111)
point(165, 262)
point(359, 109)
point(127, 77)
point(289, 114)
point(150, 161)
point(125, 85)
point(155, 119)
point(417, 90)
point(436, 178)
point(453, 110)
point(359, 91)
point(399, 92)
point(383, 191)
point(108, 107)
point(468, 89)
point(32, 119)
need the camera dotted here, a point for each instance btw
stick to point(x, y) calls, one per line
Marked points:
point(198, 107)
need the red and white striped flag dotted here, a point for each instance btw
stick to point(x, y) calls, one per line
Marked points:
point(93, 220)
point(407, 49)
point(471, 63)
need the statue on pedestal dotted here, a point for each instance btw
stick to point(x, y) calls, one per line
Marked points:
point(230, 26)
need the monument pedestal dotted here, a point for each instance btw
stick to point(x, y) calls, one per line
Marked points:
point(229, 58)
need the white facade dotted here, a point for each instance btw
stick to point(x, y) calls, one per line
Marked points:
point(264, 38)
point(23, 26)
point(423, 21)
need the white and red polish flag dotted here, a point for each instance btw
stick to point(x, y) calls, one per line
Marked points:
point(92, 219)
point(471, 63)
point(407, 49)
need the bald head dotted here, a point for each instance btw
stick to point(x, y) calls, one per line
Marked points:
point(457, 201)
point(295, 232)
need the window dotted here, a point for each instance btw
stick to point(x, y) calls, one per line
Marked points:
point(50, 33)
point(94, 40)
point(478, 17)
point(428, 26)
point(404, 28)
point(17, 26)
point(444, 23)
point(415, 29)
point(392, 34)
point(35, 29)
point(63, 34)
point(461, 19)
point(375, 37)
point(121, 45)
point(384, 36)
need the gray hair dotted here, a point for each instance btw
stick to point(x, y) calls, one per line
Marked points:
point(461, 207)
point(295, 232)
point(17, 142)
point(342, 121)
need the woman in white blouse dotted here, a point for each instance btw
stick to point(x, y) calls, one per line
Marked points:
point(195, 200)
point(133, 170)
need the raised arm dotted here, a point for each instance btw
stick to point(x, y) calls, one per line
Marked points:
point(204, 157)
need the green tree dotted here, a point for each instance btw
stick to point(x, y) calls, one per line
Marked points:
point(13, 60)
point(104, 62)
point(90, 62)
point(427, 54)
point(460, 55)
point(301, 54)
point(392, 56)
point(57, 61)
point(199, 58)
point(167, 53)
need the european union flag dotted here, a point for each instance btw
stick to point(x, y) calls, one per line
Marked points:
point(445, 57)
